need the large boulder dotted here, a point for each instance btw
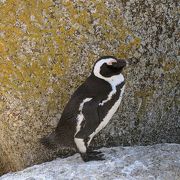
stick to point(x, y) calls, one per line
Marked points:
point(161, 161)
point(47, 48)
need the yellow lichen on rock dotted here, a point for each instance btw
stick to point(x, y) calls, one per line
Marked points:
point(42, 43)
point(40, 39)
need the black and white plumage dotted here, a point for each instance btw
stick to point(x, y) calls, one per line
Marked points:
point(90, 108)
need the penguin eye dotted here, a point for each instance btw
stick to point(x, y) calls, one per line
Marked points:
point(113, 61)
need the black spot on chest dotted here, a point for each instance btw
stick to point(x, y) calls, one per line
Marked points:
point(103, 109)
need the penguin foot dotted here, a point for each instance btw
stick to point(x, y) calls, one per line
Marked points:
point(92, 156)
point(94, 152)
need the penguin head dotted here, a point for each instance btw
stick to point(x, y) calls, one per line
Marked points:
point(108, 66)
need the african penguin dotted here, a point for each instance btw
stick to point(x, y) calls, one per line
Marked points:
point(90, 108)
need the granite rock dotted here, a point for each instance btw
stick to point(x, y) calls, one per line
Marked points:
point(160, 162)
point(47, 49)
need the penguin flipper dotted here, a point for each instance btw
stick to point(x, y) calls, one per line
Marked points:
point(91, 119)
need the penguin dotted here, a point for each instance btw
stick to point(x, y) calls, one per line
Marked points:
point(90, 108)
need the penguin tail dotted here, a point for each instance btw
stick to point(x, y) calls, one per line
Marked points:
point(49, 141)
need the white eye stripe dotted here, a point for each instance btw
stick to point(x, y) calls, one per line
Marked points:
point(98, 65)
point(113, 80)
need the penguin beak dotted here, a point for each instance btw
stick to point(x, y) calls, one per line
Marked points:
point(122, 63)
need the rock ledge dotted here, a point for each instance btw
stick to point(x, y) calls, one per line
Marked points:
point(161, 161)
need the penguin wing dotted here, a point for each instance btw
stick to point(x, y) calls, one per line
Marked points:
point(91, 119)
point(71, 109)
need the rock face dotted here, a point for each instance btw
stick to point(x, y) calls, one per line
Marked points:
point(48, 48)
point(160, 162)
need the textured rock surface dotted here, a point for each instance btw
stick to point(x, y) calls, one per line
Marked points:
point(160, 162)
point(47, 49)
